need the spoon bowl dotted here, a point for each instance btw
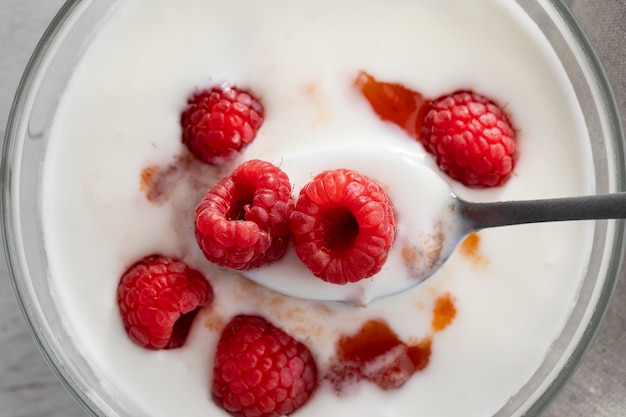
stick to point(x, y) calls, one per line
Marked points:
point(431, 221)
point(424, 209)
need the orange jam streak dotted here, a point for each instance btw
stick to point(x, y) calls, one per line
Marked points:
point(443, 313)
point(377, 354)
point(394, 102)
point(471, 249)
point(471, 245)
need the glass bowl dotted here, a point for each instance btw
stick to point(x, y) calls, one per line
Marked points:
point(45, 79)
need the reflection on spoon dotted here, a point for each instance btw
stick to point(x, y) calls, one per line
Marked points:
point(431, 222)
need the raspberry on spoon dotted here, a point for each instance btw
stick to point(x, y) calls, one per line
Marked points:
point(158, 298)
point(343, 225)
point(260, 370)
point(243, 221)
point(220, 122)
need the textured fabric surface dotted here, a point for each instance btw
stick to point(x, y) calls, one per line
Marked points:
point(29, 389)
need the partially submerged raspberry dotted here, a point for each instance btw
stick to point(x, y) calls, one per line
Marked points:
point(218, 123)
point(243, 221)
point(471, 138)
point(343, 225)
point(260, 370)
point(158, 298)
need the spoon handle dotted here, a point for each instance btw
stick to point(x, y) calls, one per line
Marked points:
point(484, 215)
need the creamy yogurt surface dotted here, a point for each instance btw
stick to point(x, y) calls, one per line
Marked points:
point(512, 289)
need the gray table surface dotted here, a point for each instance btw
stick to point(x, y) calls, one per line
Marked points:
point(29, 389)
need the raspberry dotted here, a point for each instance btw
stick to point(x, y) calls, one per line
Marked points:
point(343, 225)
point(158, 298)
point(260, 370)
point(218, 123)
point(471, 138)
point(243, 221)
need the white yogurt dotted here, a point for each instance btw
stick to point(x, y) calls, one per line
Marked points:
point(120, 115)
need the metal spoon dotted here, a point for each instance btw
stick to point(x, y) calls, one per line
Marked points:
point(428, 233)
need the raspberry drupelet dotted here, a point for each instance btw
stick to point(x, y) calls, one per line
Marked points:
point(220, 122)
point(158, 298)
point(243, 221)
point(343, 226)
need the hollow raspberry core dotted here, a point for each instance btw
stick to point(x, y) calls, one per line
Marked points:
point(242, 200)
point(343, 226)
point(339, 228)
point(243, 220)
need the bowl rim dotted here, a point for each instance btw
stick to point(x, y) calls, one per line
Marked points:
point(7, 191)
point(16, 267)
point(614, 269)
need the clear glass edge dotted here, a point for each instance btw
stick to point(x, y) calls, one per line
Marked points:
point(613, 129)
point(9, 194)
point(16, 269)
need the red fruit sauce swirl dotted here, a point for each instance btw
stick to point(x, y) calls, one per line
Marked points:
point(395, 103)
point(377, 354)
